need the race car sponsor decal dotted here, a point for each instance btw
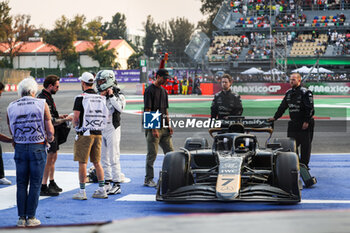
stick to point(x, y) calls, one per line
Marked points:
point(229, 179)
point(228, 184)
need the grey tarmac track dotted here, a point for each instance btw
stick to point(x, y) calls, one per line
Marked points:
point(263, 222)
point(326, 140)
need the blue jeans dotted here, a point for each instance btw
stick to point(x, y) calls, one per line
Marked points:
point(30, 163)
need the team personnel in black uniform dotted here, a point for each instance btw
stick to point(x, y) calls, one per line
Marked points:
point(226, 103)
point(300, 102)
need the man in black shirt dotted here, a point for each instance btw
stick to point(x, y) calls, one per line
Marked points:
point(90, 113)
point(51, 85)
point(226, 103)
point(156, 98)
point(300, 102)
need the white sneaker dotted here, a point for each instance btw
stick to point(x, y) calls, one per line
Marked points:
point(5, 181)
point(115, 189)
point(21, 222)
point(125, 180)
point(81, 195)
point(100, 193)
point(32, 222)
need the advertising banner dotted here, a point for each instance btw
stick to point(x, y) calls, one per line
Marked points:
point(122, 76)
point(127, 76)
point(336, 88)
point(329, 88)
point(62, 80)
point(260, 88)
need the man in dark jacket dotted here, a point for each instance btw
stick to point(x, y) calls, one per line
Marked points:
point(300, 102)
point(226, 103)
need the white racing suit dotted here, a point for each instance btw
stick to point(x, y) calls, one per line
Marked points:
point(110, 152)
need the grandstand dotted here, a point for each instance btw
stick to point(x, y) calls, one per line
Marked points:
point(278, 34)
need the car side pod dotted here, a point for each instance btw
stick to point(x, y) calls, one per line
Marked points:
point(306, 176)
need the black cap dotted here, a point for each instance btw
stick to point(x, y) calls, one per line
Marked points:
point(163, 73)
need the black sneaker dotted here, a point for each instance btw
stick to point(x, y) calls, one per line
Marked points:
point(115, 189)
point(48, 192)
point(55, 187)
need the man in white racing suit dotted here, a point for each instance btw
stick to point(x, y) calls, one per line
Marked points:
point(110, 153)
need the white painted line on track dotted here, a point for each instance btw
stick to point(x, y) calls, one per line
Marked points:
point(340, 105)
point(267, 100)
point(138, 197)
point(68, 181)
point(327, 154)
point(325, 201)
point(150, 197)
point(138, 154)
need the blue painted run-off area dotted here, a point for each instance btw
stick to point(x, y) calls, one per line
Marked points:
point(331, 192)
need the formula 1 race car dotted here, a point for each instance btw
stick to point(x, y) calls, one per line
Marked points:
point(234, 169)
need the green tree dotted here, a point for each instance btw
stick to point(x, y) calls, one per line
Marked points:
point(151, 32)
point(13, 34)
point(116, 29)
point(104, 56)
point(207, 25)
point(62, 37)
point(95, 28)
point(134, 61)
point(209, 8)
point(174, 36)
point(78, 26)
point(100, 52)
point(5, 19)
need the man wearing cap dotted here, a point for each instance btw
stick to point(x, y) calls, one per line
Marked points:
point(156, 99)
point(90, 113)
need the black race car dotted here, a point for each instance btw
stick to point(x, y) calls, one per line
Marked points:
point(234, 169)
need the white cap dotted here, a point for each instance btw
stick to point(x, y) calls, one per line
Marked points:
point(87, 77)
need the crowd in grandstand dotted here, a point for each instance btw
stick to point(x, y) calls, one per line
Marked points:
point(258, 52)
point(341, 41)
point(229, 48)
point(262, 7)
point(260, 22)
point(325, 4)
point(255, 43)
point(290, 19)
point(307, 78)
